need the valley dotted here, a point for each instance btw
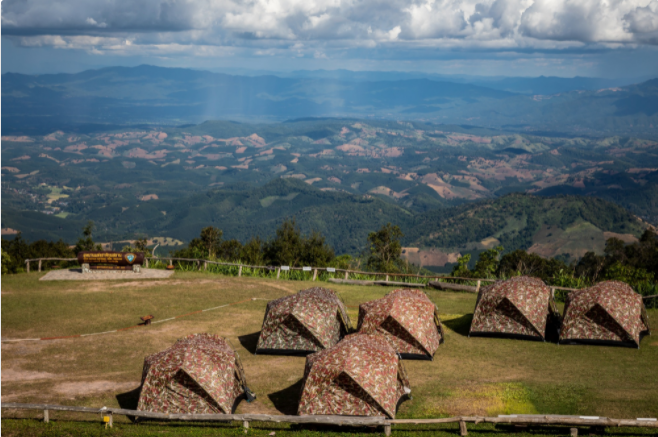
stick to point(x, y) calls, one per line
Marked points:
point(445, 185)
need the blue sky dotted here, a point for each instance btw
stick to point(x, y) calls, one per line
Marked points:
point(603, 38)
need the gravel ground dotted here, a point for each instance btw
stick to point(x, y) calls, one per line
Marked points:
point(98, 275)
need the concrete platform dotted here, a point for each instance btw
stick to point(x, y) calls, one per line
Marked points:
point(105, 275)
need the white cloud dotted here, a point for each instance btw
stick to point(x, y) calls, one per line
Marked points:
point(267, 25)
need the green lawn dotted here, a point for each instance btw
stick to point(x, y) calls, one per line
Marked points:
point(486, 376)
point(88, 428)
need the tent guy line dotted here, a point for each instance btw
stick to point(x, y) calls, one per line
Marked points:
point(16, 340)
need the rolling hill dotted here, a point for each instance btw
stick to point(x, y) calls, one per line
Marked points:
point(550, 226)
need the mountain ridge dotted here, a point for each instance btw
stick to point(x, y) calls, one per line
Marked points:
point(150, 94)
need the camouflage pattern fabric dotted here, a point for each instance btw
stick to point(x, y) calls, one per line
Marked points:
point(406, 318)
point(195, 375)
point(607, 311)
point(360, 376)
point(520, 305)
point(310, 320)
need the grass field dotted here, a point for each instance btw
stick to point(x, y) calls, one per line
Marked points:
point(486, 376)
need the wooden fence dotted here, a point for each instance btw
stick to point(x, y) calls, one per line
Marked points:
point(521, 419)
point(343, 272)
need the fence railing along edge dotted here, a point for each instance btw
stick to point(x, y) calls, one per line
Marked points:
point(344, 420)
point(315, 270)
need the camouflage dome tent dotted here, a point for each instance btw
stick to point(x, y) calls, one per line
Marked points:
point(610, 312)
point(199, 374)
point(521, 307)
point(360, 376)
point(308, 321)
point(408, 319)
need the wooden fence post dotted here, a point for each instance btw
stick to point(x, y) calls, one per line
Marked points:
point(245, 424)
point(27, 262)
point(477, 287)
point(205, 265)
point(278, 272)
point(387, 429)
point(346, 273)
point(463, 431)
point(39, 264)
point(315, 274)
point(146, 262)
point(240, 274)
point(46, 418)
point(171, 262)
point(386, 278)
point(574, 432)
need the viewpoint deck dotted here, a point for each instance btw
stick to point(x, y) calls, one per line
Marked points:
point(105, 275)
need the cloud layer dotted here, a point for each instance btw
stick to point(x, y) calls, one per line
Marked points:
point(213, 28)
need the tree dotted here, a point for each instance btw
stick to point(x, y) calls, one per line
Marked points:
point(6, 260)
point(286, 246)
point(87, 242)
point(385, 248)
point(141, 245)
point(252, 252)
point(18, 250)
point(487, 263)
point(461, 269)
point(290, 247)
point(211, 238)
point(315, 251)
point(342, 262)
point(523, 263)
point(229, 250)
point(591, 266)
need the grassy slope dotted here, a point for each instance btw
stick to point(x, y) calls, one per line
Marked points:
point(468, 376)
point(516, 219)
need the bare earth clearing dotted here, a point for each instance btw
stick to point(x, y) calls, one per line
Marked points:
point(104, 275)
point(485, 376)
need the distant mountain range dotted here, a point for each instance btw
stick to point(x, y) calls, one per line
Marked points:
point(98, 99)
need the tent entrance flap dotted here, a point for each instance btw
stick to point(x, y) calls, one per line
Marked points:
point(185, 386)
point(507, 308)
point(605, 326)
point(395, 328)
point(348, 383)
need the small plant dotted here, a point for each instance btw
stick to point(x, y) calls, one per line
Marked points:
point(6, 259)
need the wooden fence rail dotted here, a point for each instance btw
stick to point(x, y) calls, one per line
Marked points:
point(315, 270)
point(28, 261)
point(520, 419)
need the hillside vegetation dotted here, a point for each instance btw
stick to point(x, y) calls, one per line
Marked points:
point(550, 226)
point(342, 177)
